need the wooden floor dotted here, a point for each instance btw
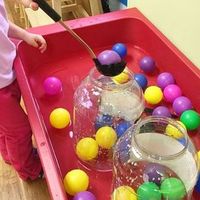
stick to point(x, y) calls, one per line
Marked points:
point(11, 186)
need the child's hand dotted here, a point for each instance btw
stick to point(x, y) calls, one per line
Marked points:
point(35, 40)
point(29, 4)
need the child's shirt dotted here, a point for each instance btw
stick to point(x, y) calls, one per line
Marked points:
point(7, 50)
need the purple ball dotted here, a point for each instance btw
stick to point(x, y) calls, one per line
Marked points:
point(52, 85)
point(147, 64)
point(164, 79)
point(181, 104)
point(84, 196)
point(171, 92)
point(161, 111)
point(108, 57)
point(154, 173)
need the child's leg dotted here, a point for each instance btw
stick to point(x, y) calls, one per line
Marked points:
point(3, 148)
point(17, 133)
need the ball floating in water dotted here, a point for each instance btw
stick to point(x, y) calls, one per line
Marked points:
point(147, 64)
point(164, 79)
point(154, 173)
point(108, 57)
point(173, 189)
point(121, 49)
point(173, 131)
point(106, 137)
point(52, 85)
point(103, 120)
point(190, 119)
point(171, 92)
point(161, 111)
point(181, 104)
point(87, 149)
point(182, 141)
point(153, 95)
point(148, 189)
point(121, 78)
point(124, 193)
point(86, 195)
point(122, 127)
point(76, 181)
point(59, 118)
point(141, 80)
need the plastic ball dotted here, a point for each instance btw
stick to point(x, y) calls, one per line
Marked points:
point(106, 137)
point(59, 118)
point(108, 57)
point(124, 193)
point(181, 104)
point(122, 127)
point(120, 49)
point(121, 78)
point(52, 85)
point(147, 64)
point(87, 149)
point(86, 195)
point(148, 189)
point(197, 186)
point(103, 120)
point(154, 173)
point(182, 141)
point(190, 119)
point(141, 80)
point(171, 92)
point(173, 131)
point(153, 95)
point(198, 157)
point(76, 181)
point(161, 111)
point(173, 189)
point(164, 79)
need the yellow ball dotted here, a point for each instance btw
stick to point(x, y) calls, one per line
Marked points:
point(87, 149)
point(121, 78)
point(173, 131)
point(76, 181)
point(106, 137)
point(124, 193)
point(198, 154)
point(59, 118)
point(198, 157)
point(153, 95)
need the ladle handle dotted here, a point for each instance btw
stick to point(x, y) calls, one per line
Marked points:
point(57, 18)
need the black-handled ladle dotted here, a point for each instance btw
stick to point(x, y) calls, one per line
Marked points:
point(107, 70)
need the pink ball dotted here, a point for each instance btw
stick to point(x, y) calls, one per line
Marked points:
point(52, 85)
point(171, 92)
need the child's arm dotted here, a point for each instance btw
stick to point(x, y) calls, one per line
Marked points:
point(34, 40)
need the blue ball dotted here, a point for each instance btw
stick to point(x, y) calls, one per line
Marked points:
point(141, 80)
point(197, 187)
point(122, 127)
point(103, 120)
point(182, 141)
point(120, 49)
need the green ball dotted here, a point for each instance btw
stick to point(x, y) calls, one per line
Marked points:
point(148, 190)
point(173, 189)
point(191, 119)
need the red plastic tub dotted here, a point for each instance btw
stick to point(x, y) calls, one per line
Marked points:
point(67, 60)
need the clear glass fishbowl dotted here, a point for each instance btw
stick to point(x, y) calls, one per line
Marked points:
point(154, 159)
point(104, 108)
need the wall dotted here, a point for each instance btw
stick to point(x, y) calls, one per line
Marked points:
point(179, 20)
